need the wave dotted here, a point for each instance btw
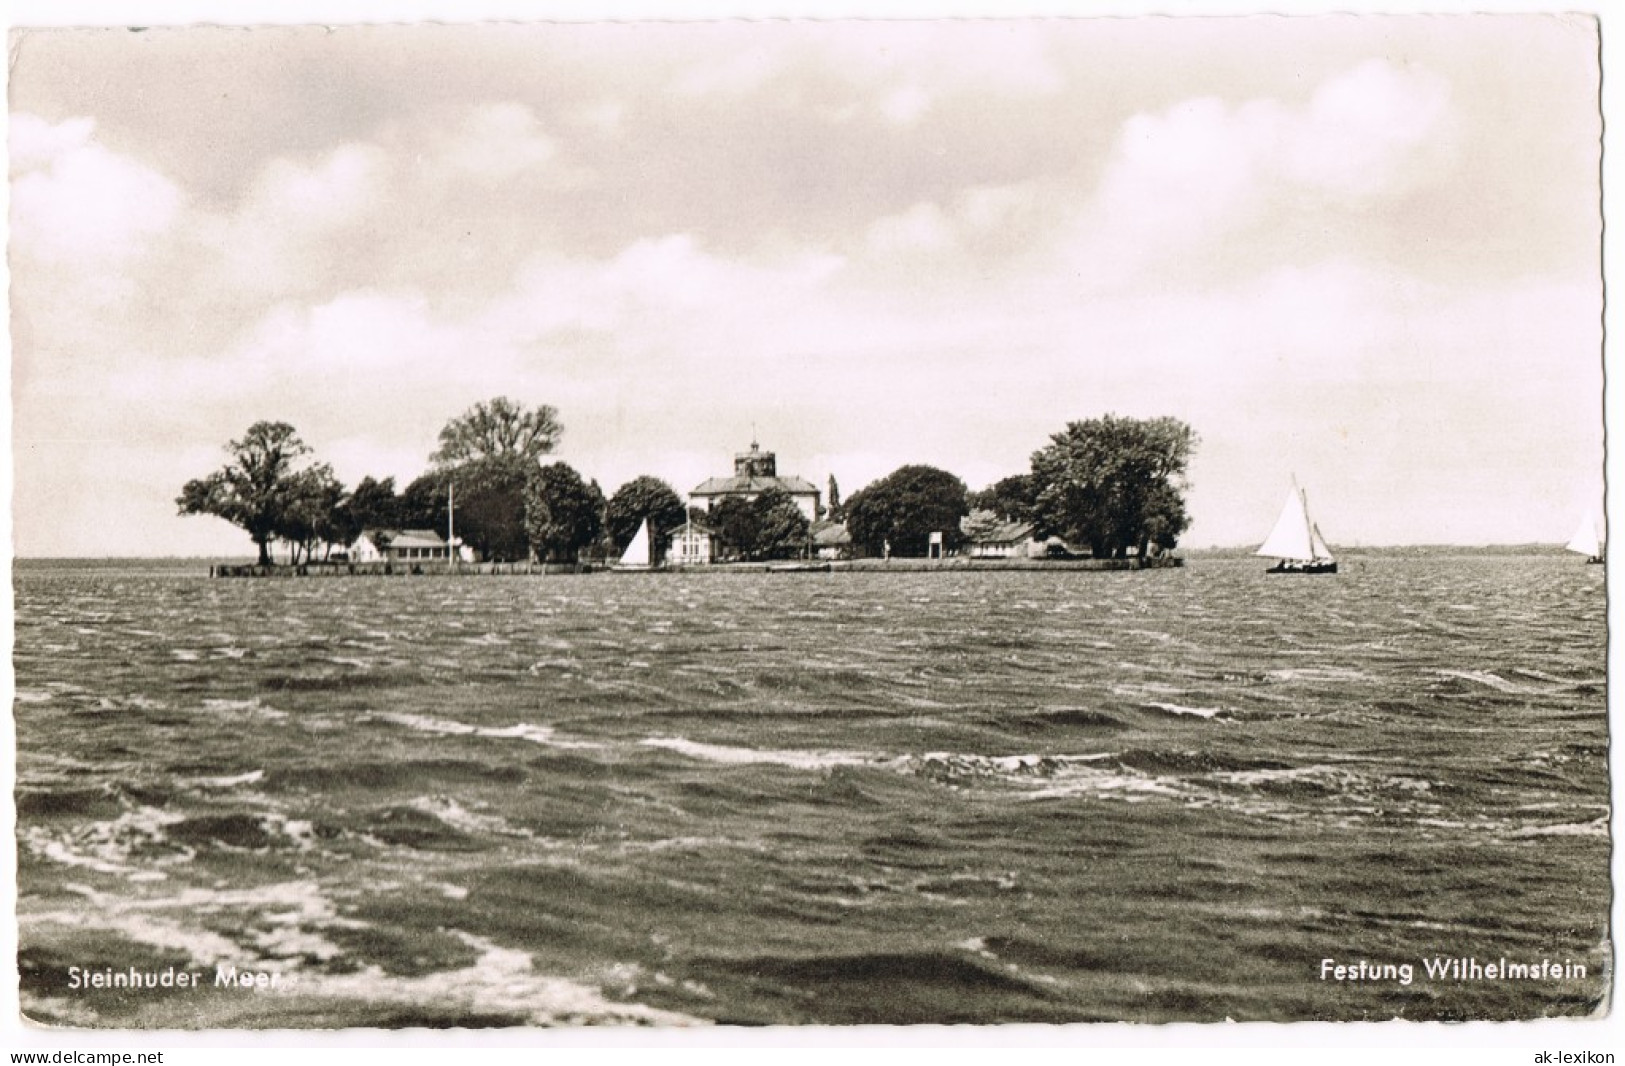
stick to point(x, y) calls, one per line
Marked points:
point(1175, 708)
point(535, 734)
point(801, 760)
point(1489, 680)
point(945, 765)
point(376, 774)
point(1074, 717)
point(1193, 762)
point(135, 842)
point(241, 831)
point(250, 778)
point(500, 986)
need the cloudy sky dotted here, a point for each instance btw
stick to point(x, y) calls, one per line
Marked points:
point(1363, 251)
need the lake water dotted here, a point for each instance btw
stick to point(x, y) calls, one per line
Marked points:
point(813, 798)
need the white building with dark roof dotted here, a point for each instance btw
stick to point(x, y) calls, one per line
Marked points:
point(405, 545)
point(755, 472)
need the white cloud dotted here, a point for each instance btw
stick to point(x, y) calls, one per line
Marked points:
point(331, 192)
point(498, 141)
point(74, 200)
point(1363, 129)
point(1204, 170)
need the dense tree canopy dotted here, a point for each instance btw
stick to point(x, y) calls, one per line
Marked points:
point(981, 525)
point(1114, 484)
point(781, 527)
point(374, 505)
point(1011, 498)
point(643, 498)
point(255, 489)
point(312, 512)
point(490, 505)
point(770, 526)
point(904, 508)
point(563, 513)
point(498, 429)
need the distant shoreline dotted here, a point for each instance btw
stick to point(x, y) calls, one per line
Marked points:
point(202, 563)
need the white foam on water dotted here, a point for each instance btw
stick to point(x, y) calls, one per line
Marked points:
point(281, 923)
point(1118, 785)
point(249, 778)
point(59, 1010)
point(1315, 673)
point(249, 707)
point(108, 847)
point(535, 734)
point(1175, 708)
point(1597, 828)
point(500, 981)
point(801, 760)
point(25, 696)
point(1488, 680)
point(458, 817)
point(487, 640)
point(1559, 683)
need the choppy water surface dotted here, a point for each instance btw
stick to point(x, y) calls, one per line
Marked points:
point(817, 798)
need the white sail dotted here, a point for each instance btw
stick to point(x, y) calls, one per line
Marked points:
point(637, 553)
point(1587, 540)
point(1292, 537)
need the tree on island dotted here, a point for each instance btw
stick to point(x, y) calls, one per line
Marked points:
point(834, 512)
point(904, 508)
point(1114, 484)
point(498, 428)
point(374, 505)
point(489, 500)
point(1011, 498)
point(781, 527)
point(489, 453)
point(254, 489)
point(768, 526)
point(639, 499)
point(563, 513)
point(981, 525)
point(313, 512)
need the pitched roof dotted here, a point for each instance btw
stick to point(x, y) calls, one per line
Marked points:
point(408, 538)
point(1008, 533)
point(739, 486)
point(830, 534)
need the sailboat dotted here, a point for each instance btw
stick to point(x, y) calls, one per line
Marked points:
point(638, 554)
point(1296, 540)
point(1589, 540)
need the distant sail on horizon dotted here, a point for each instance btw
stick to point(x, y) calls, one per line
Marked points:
point(1296, 539)
point(1590, 539)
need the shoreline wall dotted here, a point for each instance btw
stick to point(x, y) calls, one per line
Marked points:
point(957, 564)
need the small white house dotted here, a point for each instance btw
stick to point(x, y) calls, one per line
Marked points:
point(690, 546)
point(831, 540)
point(1012, 540)
point(405, 546)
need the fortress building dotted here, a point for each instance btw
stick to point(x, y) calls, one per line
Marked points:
point(755, 472)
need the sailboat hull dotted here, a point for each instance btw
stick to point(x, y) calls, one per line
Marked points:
point(1287, 566)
